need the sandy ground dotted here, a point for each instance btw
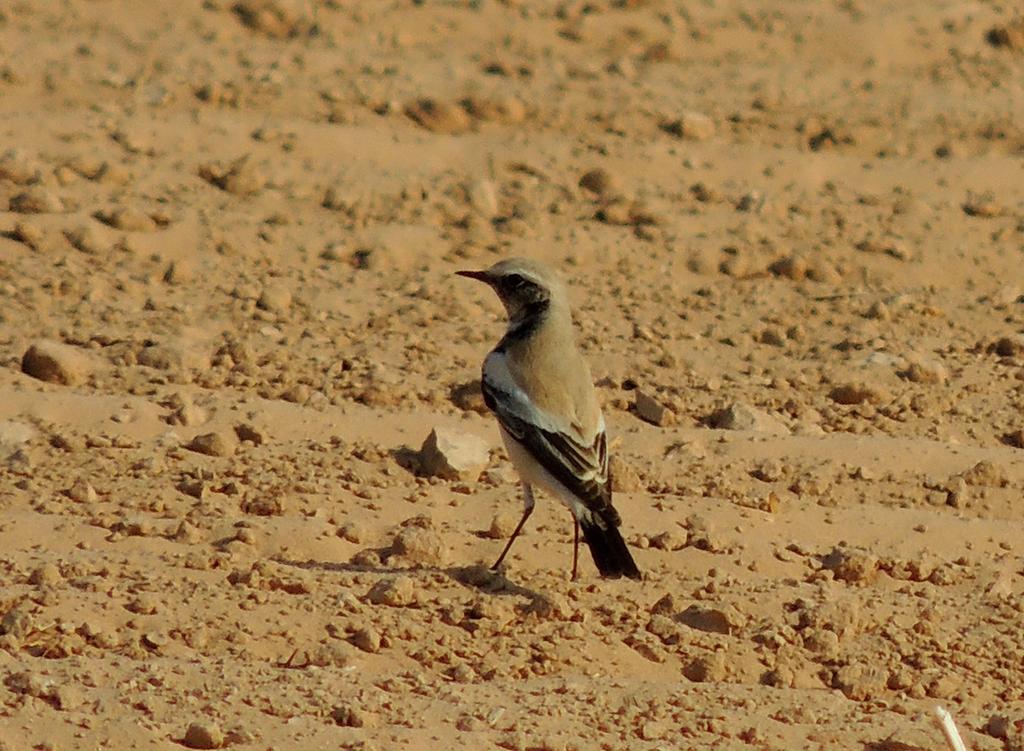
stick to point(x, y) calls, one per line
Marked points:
point(794, 235)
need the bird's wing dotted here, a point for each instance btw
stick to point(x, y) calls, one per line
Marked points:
point(557, 445)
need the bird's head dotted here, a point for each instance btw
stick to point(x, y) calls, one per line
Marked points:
point(524, 286)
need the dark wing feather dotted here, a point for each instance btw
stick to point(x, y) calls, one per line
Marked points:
point(582, 469)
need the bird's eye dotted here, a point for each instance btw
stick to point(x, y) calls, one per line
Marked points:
point(515, 282)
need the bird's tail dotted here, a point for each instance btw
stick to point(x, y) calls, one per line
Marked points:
point(611, 556)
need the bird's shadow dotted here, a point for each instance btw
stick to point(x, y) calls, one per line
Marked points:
point(476, 576)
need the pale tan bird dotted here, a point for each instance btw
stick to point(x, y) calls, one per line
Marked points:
point(539, 387)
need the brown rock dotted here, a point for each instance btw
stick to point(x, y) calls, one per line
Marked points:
point(420, 545)
point(17, 622)
point(665, 629)
point(219, 443)
point(708, 669)
point(713, 620)
point(665, 605)
point(82, 492)
point(46, 575)
point(944, 685)
point(986, 473)
point(87, 239)
point(982, 207)
point(276, 298)
point(998, 726)
point(601, 183)
point(1010, 346)
point(19, 168)
point(454, 454)
point(793, 267)
point(67, 697)
point(670, 540)
point(841, 616)
point(395, 592)
point(55, 362)
point(1009, 35)
point(31, 234)
point(851, 565)
point(180, 271)
point(822, 642)
point(742, 416)
point(350, 716)
point(145, 604)
point(156, 640)
point(624, 477)
point(36, 200)
point(367, 639)
point(926, 371)
point(617, 212)
point(173, 356)
point(654, 730)
point(353, 531)
point(549, 607)
point(503, 524)
point(506, 109)
point(702, 534)
point(239, 178)
point(278, 19)
point(653, 411)
point(203, 734)
point(439, 116)
point(184, 411)
point(857, 393)
point(128, 219)
point(693, 126)
point(264, 504)
point(861, 682)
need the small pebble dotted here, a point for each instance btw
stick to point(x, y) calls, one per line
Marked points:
point(276, 298)
point(129, 220)
point(36, 200)
point(439, 116)
point(694, 126)
point(503, 524)
point(88, 239)
point(600, 182)
point(240, 178)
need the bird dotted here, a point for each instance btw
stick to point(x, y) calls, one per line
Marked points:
point(539, 387)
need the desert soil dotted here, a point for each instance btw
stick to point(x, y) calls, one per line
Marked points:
point(794, 237)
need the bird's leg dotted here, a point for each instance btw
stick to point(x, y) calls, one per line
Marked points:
point(529, 503)
point(575, 547)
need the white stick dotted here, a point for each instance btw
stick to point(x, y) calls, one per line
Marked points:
point(949, 729)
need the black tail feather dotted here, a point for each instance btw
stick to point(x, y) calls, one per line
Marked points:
point(611, 556)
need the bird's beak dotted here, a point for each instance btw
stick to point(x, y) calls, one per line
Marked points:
point(480, 276)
